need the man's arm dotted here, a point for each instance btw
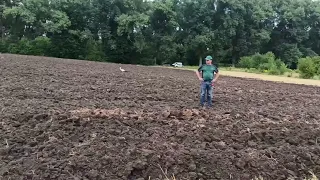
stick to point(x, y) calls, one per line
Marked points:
point(198, 72)
point(217, 75)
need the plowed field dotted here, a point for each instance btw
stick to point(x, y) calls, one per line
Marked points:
point(67, 119)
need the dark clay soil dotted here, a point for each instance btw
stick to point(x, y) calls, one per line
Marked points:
point(67, 119)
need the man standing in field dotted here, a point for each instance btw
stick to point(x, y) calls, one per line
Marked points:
point(208, 75)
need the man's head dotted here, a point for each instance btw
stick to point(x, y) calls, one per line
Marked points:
point(209, 60)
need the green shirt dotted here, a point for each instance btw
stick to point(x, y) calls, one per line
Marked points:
point(208, 72)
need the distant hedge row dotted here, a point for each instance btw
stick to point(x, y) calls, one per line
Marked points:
point(308, 67)
point(264, 63)
point(44, 46)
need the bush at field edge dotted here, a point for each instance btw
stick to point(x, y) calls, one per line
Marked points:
point(266, 63)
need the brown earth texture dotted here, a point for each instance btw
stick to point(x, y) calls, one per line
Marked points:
point(68, 119)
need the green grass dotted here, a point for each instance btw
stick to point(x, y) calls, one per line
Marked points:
point(316, 77)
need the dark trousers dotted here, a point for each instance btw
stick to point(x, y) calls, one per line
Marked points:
point(206, 91)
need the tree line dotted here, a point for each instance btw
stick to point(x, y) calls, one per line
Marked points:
point(161, 31)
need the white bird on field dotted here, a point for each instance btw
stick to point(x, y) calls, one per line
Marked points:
point(122, 69)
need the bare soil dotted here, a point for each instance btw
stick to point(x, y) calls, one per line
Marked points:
point(67, 119)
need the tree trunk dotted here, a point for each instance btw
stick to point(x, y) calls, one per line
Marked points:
point(2, 30)
point(200, 61)
point(233, 61)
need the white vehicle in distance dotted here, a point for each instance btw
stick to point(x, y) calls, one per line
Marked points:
point(177, 64)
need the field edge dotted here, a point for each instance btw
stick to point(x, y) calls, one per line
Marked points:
point(272, 78)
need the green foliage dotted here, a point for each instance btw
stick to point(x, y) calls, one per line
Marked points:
point(31, 18)
point(264, 63)
point(247, 62)
point(307, 67)
point(40, 46)
point(22, 47)
point(316, 60)
point(94, 51)
point(3, 46)
point(257, 61)
point(277, 67)
point(251, 34)
point(282, 67)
